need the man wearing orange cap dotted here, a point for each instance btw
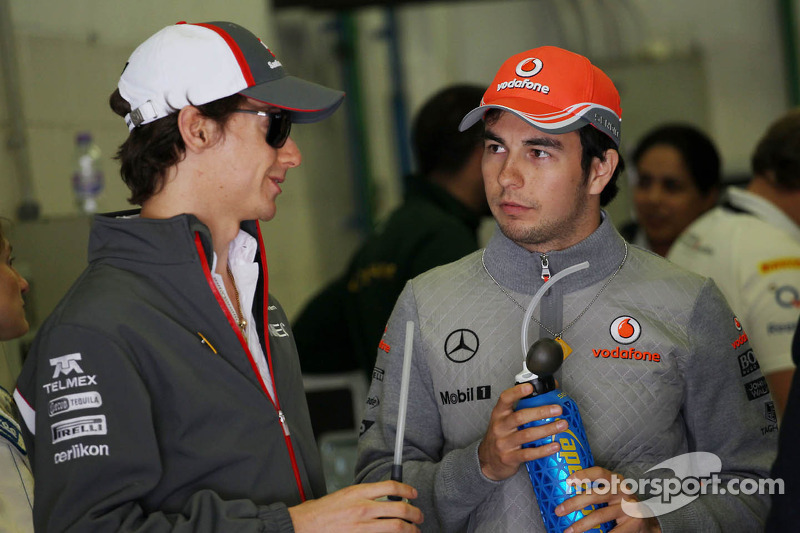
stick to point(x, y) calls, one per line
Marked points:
point(654, 357)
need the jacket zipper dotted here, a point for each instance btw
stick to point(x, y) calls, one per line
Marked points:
point(545, 267)
point(275, 402)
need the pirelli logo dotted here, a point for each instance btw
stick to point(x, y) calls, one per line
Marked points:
point(784, 263)
point(78, 427)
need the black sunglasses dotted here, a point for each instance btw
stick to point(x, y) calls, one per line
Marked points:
point(280, 124)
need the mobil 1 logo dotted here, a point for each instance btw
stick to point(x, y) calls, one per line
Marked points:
point(748, 363)
point(469, 394)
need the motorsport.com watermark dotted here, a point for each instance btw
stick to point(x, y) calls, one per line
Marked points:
point(696, 474)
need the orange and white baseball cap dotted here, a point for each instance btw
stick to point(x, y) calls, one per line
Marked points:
point(554, 90)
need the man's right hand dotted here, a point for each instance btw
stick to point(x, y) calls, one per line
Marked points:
point(500, 452)
point(355, 509)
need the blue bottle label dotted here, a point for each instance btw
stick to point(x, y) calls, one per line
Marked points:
point(549, 474)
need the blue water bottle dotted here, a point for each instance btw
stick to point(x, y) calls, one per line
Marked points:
point(549, 474)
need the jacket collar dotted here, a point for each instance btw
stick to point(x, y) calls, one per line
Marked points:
point(125, 235)
point(518, 269)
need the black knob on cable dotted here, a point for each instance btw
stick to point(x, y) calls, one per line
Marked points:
point(544, 359)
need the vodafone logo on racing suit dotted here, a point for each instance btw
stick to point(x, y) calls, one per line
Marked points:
point(625, 330)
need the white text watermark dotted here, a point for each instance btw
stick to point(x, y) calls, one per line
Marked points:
point(695, 474)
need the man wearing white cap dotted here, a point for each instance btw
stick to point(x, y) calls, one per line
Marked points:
point(164, 392)
point(654, 357)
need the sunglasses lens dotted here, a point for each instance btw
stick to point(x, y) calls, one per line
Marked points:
point(280, 124)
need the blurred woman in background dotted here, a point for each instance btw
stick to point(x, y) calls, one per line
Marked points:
point(677, 179)
point(16, 481)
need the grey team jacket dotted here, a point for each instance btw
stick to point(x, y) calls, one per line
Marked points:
point(660, 368)
point(149, 414)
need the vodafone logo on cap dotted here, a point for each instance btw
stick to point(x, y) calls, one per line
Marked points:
point(524, 69)
point(625, 330)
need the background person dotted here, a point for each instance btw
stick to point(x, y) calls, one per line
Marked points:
point(164, 392)
point(677, 179)
point(546, 181)
point(437, 223)
point(16, 481)
point(750, 245)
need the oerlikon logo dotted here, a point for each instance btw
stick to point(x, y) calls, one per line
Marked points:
point(529, 67)
point(625, 330)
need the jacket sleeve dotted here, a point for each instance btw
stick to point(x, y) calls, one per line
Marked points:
point(728, 411)
point(450, 485)
point(96, 456)
point(16, 481)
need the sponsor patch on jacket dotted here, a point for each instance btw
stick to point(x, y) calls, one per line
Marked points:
point(461, 345)
point(74, 428)
point(625, 329)
point(383, 345)
point(469, 394)
point(74, 402)
point(626, 353)
point(756, 388)
point(76, 451)
point(68, 368)
point(748, 363)
point(278, 330)
point(365, 425)
point(770, 413)
point(9, 430)
point(783, 263)
point(739, 342)
point(66, 364)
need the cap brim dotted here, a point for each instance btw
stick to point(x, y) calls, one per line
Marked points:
point(307, 101)
point(551, 120)
point(564, 124)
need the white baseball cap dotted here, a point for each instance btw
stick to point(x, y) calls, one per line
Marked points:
point(193, 64)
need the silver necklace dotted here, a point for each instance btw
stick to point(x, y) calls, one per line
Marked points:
point(558, 335)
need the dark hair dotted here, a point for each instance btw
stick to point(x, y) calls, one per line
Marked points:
point(595, 143)
point(438, 145)
point(696, 148)
point(779, 151)
point(150, 150)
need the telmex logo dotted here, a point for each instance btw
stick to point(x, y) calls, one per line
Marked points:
point(523, 69)
point(625, 330)
point(66, 364)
